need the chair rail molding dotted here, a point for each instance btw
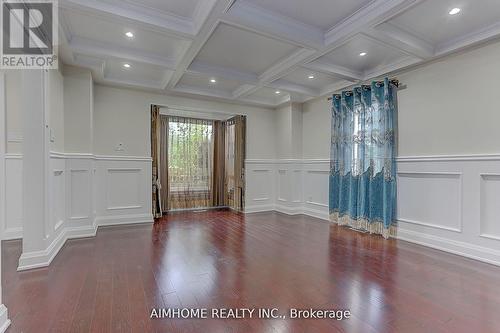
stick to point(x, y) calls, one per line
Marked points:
point(447, 202)
point(88, 191)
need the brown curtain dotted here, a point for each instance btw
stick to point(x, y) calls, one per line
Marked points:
point(163, 167)
point(235, 162)
point(218, 193)
point(155, 155)
point(239, 162)
point(190, 162)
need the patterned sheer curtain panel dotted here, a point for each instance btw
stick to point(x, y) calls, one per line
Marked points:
point(363, 158)
point(190, 162)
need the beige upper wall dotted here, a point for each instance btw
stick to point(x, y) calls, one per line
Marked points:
point(123, 116)
point(14, 97)
point(449, 107)
point(14, 119)
point(78, 110)
point(316, 129)
point(56, 105)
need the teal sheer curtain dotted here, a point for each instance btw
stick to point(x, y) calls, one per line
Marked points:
point(363, 158)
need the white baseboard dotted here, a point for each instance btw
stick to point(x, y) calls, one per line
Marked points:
point(102, 221)
point(39, 259)
point(322, 215)
point(259, 209)
point(4, 319)
point(14, 233)
point(471, 251)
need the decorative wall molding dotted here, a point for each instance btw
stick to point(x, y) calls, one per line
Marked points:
point(447, 202)
point(79, 189)
point(4, 319)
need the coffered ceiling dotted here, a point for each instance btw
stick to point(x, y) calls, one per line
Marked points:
point(264, 52)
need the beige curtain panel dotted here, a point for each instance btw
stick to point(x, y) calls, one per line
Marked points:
point(155, 154)
point(165, 188)
point(190, 162)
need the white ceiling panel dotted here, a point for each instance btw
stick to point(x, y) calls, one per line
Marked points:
point(138, 72)
point(242, 50)
point(377, 55)
point(323, 14)
point(183, 8)
point(431, 20)
point(255, 47)
point(267, 95)
point(92, 28)
point(301, 76)
point(203, 82)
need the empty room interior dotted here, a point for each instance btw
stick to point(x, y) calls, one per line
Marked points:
point(250, 166)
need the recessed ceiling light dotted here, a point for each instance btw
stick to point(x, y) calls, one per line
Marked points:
point(277, 92)
point(126, 65)
point(213, 81)
point(129, 34)
point(454, 11)
point(362, 54)
point(310, 77)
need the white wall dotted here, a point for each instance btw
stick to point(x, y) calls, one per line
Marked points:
point(4, 320)
point(316, 120)
point(449, 155)
point(451, 106)
point(14, 125)
point(56, 105)
point(78, 110)
point(123, 115)
point(288, 131)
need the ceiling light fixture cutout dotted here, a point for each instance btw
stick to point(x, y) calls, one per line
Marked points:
point(129, 34)
point(454, 11)
point(126, 65)
point(362, 54)
point(277, 92)
point(213, 81)
point(310, 77)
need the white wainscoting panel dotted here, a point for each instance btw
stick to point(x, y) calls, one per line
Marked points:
point(124, 190)
point(13, 228)
point(289, 186)
point(260, 183)
point(440, 207)
point(490, 206)
point(86, 192)
point(451, 203)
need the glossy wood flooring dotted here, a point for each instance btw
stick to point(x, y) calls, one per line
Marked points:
point(221, 259)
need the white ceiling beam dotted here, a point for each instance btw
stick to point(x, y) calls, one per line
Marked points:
point(202, 91)
point(274, 25)
point(476, 37)
point(284, 66)
point(282, 84)
point(91, 47)
point(245, 90)
point(336, 71)
point(219, 8)
point(162, 22)
point(398, 38)
point(369, 16)
point(202, 69)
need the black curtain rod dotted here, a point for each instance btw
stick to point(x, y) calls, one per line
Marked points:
point(393, 81)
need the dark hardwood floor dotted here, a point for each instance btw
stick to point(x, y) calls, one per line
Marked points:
point(221, 259)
